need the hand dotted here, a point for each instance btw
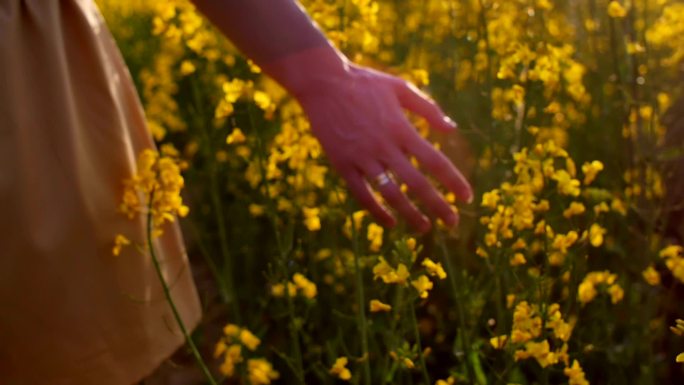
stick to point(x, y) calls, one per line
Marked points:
point(358, 119)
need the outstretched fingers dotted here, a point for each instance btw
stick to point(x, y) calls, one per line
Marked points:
point(414, 100)
point(423, 190)
point(440, 167)
point(361, 190)
point(391, 192)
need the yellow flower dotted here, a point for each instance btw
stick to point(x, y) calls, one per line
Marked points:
point(223, 109)
point(601, 208)
point(616, 293)
point(527, 324)
point(307, 287)
point(311, 219)
point(377, 306)
point(517, 259)
point(586, 292)
point(423, 285)
point(680, 357)
point(590, 171)
point(449, 381)
point(340, 370)
point(187, 67)
point(567, 185)
point(119, 242)
point(498, 342)
point(388, 274)
point(262, 100)
point(231, 330)
point(596, 233)
point(539, 351)
point(490, 199)
point(158, 180)
point(672, 251)
point(260, 372)
point(382, 269)
point(575, 208)
point(237, 136)
point(232, 356)
point(357, 219)
point(616, 10)
point(618, 206)
point(575, 374)
point(375, 236)
point(562, 242)
point(411, 244)
point(651, 276)
point(434, 269)
point(408, 363)
point(249, 340)
point(510, 300)
point(256, 210)
point(233, 90)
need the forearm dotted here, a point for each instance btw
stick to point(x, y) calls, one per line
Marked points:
point(280, 37)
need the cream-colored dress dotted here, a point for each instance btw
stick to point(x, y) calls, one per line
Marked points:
point(71, 126)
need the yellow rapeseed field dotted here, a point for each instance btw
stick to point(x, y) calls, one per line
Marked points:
point(567, 267)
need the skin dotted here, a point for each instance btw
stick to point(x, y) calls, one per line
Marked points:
point(356, 113)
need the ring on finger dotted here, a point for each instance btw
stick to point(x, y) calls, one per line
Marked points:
point(383, 179)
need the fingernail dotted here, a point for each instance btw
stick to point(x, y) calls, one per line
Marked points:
point(450, 122)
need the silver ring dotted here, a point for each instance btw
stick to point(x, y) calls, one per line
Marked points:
point(382, 179)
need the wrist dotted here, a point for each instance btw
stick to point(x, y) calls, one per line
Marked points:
point(309, 71)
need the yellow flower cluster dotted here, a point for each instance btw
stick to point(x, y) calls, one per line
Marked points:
point(668, 33)
point(674, 260)
point(528, 325)
point(339, 369)
point(388, 274)
point(119, 242)
point(155, 189)
point(259, 370)
point(678, 329)
point(518, 207)
point(575, 374)
point(299, 284)
point(651, 276)
point(587, 289)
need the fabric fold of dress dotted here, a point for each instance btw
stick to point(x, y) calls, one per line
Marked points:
point(71, 127)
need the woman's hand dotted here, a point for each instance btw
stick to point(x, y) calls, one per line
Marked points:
point(358, 117)
point(355, 112)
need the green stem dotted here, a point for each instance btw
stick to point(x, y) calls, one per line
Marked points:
point(169, 299)
point(222, 285)
point(416, 332)
point(228, 281)
point(283, 252)
point(225, 249)
point(465, 340)
point(361, 315)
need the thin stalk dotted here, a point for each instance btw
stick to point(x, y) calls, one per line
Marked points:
point(169, 300)
point(361, 315)
point(227, 282)
point(416, 332)
point(222, 287)
point(283, 254)
point(465, 340)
